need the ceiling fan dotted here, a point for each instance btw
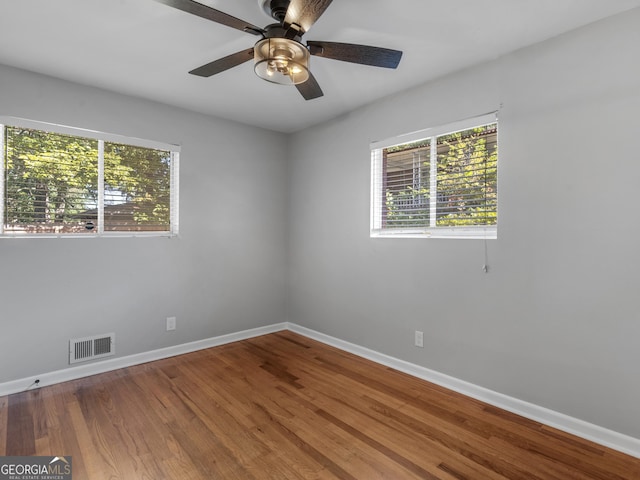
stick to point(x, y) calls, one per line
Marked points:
point(279, 56)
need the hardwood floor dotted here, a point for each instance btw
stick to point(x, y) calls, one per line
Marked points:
point(282, 406)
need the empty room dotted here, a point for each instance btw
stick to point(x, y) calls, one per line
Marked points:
point(315, 239)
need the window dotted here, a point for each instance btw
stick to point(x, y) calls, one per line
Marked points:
point(63, 181)
point(440, 182)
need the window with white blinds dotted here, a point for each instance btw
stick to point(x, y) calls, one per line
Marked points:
point(441, 182)
point(63, 181)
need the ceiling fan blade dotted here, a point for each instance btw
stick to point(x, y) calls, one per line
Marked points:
point(223, 64)
point(310, 89)
point(304, 13)
point(212, 14)
point(363, 54)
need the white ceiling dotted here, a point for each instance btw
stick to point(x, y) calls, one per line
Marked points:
point(144, 48)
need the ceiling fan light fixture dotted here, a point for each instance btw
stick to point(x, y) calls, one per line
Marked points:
point(281, 60)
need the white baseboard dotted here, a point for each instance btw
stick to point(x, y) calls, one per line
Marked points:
point(75, 372)
point(574, 426)
point(580, 428)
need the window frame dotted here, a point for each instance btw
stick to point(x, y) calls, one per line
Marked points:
point(102, 138)
point(376, 203)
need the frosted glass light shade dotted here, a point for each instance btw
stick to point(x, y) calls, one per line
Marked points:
point(280, 60)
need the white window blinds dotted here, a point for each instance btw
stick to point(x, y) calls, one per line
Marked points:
point(438, 182)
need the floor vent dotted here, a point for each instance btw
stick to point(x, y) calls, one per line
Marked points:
point(90, 348)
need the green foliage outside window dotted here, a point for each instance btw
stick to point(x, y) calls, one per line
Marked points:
point(51, 184)
point(465, 180)
point(468, 178)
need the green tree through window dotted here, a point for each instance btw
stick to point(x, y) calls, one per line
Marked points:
point(468, 177)
point(51, 184)
point(446, 182)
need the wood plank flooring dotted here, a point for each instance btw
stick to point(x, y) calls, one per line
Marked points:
point(282, 406)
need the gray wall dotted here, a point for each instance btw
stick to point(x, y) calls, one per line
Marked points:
point(556, 320)
point(225, 273)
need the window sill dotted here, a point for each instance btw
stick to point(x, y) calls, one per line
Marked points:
point(91, 235)
point(482, 233)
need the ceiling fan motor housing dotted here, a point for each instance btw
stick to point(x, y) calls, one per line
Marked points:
point(276, 30)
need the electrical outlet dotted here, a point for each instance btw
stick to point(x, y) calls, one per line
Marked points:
point(171, 323)
point(419, 339)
